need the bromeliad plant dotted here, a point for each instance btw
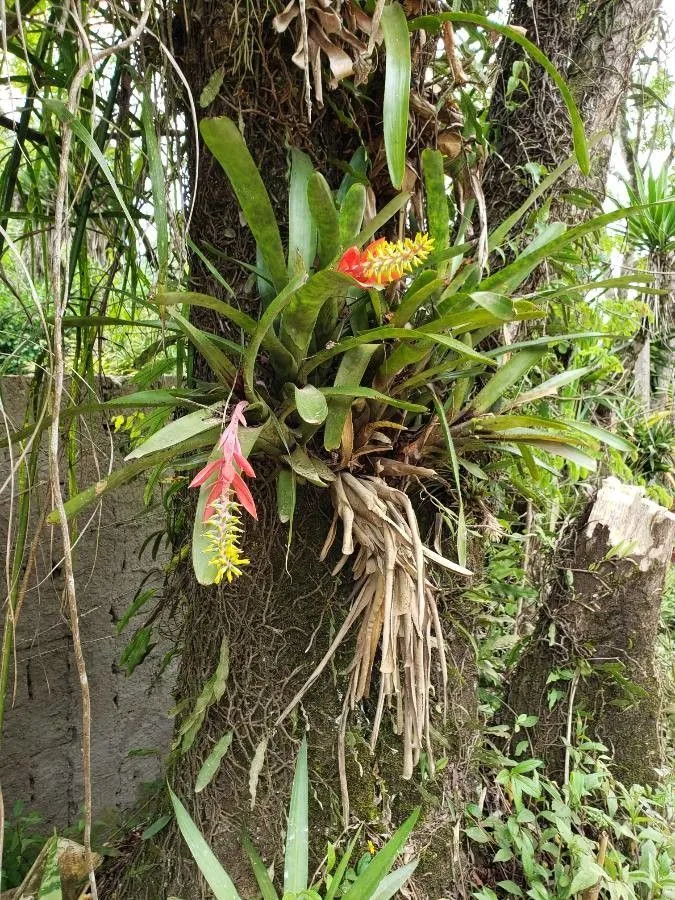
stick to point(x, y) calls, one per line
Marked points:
point(375, 367)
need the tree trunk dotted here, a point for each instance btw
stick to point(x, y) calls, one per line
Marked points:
point(596, 636)
point(279, 618)
point(594, 47)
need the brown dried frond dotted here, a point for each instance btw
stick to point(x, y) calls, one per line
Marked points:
point(394, 603)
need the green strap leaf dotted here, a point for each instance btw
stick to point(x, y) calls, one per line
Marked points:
point(351, 214)
point(349, 374)
point(296, 861)
point(438, 213)
point(372, 394)
point(158, 184)
point(263, 330)
point(302, 311)
point(325, 216)
point(380, 219)
point(434, 22)
point(176, 431)
point(368, 882)
point(301, 228)
point(216, 876)
point(264, 881)
point(226, 143)
point(396, 90)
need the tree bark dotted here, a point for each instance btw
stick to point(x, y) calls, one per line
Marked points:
point(597, 634)
point(594, 47)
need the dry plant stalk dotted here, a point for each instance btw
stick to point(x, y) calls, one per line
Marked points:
point(396, 604)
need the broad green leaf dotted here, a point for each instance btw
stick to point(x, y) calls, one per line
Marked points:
point(587, 875)
point(296, 860)
point(219, 364)
point(372, 394)
point(225, 141)
point(550, 386)
point(396, 90)
point(367, 883)
point(325, 216)
point(212, 762)
point(573, 454)
point(349, 374)
point(205, 571)
point(392, 883)
point(286, 495)
point(50, 885)
point(500, 306)
point(302, 310)
point(136, 649)
point(301, 228)
point(433, 23)
point(216, 876)
point(309, 467)
point(351, 214)
point(212, 88)
point(438, 213)
point(310, 404)
point(506, 376)
point(264, 882)
point(381, 218)
point(175, 432)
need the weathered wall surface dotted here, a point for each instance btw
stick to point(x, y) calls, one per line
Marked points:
point(40, 757)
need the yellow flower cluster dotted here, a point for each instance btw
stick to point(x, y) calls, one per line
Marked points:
point(386, 261)
point(224, 528)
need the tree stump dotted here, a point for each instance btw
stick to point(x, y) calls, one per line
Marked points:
point(594, 642)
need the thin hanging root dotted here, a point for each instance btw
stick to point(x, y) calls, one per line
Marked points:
point(396, 606)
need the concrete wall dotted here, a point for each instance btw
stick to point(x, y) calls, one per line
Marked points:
point(40, 757)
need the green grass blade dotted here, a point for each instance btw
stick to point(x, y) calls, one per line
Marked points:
point(219, 363)
point(394, 881)
point(396, 90)
point(450, 444)
point(216, 876)
point(227, 144)
point(301, 228)
point(296, 860)
point(263, 329)
point(264, 882)
point(433, 23)
point(158, 185)
point(336, 880)
point(367, 883)
point(380, 219)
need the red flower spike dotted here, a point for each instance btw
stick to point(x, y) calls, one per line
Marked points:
point(228, 478)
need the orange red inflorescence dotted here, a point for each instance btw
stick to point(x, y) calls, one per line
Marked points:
point(383, 261)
